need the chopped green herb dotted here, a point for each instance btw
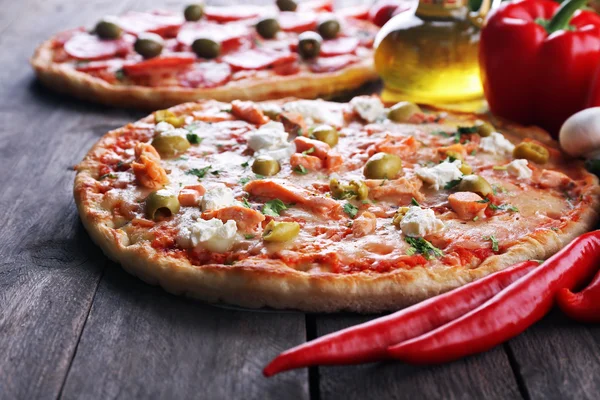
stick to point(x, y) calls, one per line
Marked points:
point(193, 138)
point(414, 202)
point(111, 176)
point(475, 218)
point(198, 172)
point(246, 164)
point(367, 201)
point(245, 203)
point(350, 209)
point(259, 176)
point(216, 172)
point(227, 110)
point(273, 208)
point(244, 180)
point(555, 229)
point(422, 246)
point(442, 133)
point(182, 158)
point(383, 181)
point(499, 167)
point(486, 200)
point(248, 236)
point(474, 152)
point(452, 184)
point(463, 130)
point(299, 169)
point(120, 74)
point(494, 241)
point(503, 207)
point(309, 151)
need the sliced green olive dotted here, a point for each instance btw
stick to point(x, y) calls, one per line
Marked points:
point(400, 213)
point(206, 48)
point(280, 231)
point(327, 134)
point(455, 155)
point(265, 165)
point(161, 203)
point(484, 129)
point(383, 166)
point(329, 28)
point(108, 30)
point(193, 12)
point(170, 145)
point(403, 111)
point(475, 184)
point(267, 28)
point(466, 169)
point(286, 5)
point(148, 45)
point(309, 44)
point(170, 117)
point(532, 152)
point(354, 190)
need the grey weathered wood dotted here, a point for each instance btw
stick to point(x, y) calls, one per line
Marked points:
point(486, 376)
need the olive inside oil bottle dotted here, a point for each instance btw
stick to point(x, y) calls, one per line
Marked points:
point(429, 55)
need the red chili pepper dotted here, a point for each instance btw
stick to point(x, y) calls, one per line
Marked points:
point(368, 342)
point(538, 61)
point(583, 306)
point(508, 313)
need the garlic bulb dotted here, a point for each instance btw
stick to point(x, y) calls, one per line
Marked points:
point(580, 134)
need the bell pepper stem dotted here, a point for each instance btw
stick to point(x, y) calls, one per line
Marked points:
point(563, 16)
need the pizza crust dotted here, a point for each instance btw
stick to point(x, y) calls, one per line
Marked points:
point(252, 286)
point(306, 85)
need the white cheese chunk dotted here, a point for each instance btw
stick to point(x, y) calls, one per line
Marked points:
point(440, 175)
point(271, 140)
point(316, 111)
point(369, 108)
point(271, 108)
point(163, 127)
point(419, 222)
point(519, 169)
point(212, 234)
point(175, 132)
point(496, 143)
point(217, 197)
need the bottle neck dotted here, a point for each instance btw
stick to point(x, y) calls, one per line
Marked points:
point(441, 8)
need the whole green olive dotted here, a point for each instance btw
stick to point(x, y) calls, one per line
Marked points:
point(475, 184)
point(403, 111)
point(170, 117)
point(267, 28)
point(327, 134)
point(161, 203)
point(329, 28)
point(309, 44)
point(286, 5)
point(532, 152)
point(266, 166)
point(484, 129)
point(193, 12)
point(280, 231)
point(206, 48)
point(383, 166)
point(108, 30)
point(169, 145)
point(148, 45)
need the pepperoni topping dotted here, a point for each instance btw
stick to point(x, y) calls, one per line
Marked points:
point(258, 59)
point(297, 22)
point(89, 47)
point(229, 36)
point(287, 68)
point(339, 46)
point(158, 65)
point(316, 5)
point(232, 13)
point(206, 75)
point(356, 12)
point(331, 64)
point(161, 22)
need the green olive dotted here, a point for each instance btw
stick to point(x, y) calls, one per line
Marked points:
point(400, 213)
point(403, 111)
point(266, 166)
point(108, 30)
point(148, 45)
point(329, 28)
point(169, 117)
point(455, 155)
point(327, 134)
point(267, 28)
point(475, 184)
point(161, 203)
point(193, 12)
point(206, 48)
point(309, 44)
point(532, 152)
point(354, 190)
point(484, 129)
point(280, 231)
point(286, 5)
point(383, 166)
point(170, 145)
point(466, 169)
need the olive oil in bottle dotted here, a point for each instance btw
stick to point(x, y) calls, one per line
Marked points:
point(430, 55)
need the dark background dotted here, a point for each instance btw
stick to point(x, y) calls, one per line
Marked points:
point(74, 325)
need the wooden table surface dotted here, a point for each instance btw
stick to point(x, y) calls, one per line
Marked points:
point(74, 325)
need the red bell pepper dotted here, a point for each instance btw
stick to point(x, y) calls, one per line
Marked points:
point(539, 61)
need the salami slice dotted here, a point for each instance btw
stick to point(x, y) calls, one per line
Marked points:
point(159, 65)
point(332, 64)
point(84, 46)
point(339, 46)
point(206, 75)
point(316, 5)
point(163, 23)
point(297, 22)
point(228, 36)
point(233, 13)
point(255, 59)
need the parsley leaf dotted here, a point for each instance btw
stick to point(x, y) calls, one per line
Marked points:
point(216, 172)
point(273, 208)
point(245, 164)
point(309, 151)
point(504, 207)
point(422, 246)
point(198, 172)
point(494, 241)
point(414, 202)
point(300, 170)
point(245, 203)
point(120, 74)
point(452, 184)
point(244, 180)
point(111, 176)
point(463, 130)
point(350, 209)
point(193, 138)
point(248, 236)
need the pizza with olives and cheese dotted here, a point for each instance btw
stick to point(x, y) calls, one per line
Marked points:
point(323, 206)
point(159, 59)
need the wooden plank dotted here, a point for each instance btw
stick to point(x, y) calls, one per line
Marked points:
point(559, 359)
point(486, 376)
point(141, 342)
